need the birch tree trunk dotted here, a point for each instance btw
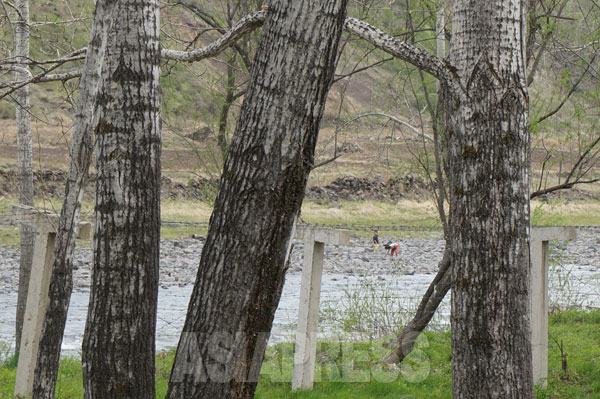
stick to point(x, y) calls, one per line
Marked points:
point(243, 264)
point(25, 163)
point(81, 151)
point(488, 161)
point(118, 344)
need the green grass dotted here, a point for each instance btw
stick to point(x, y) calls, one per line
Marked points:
point(579, 334)
point(351, 370)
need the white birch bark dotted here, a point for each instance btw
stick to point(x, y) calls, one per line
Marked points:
point(118, 343)
point(488, 157)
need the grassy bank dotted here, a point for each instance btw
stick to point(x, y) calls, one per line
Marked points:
point(417, 217)
point(351, 369)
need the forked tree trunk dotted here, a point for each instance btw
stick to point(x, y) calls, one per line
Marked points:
point(82, 143)
point(243, 263)
point(488, 161)
point(118, 343)
point(25, 162)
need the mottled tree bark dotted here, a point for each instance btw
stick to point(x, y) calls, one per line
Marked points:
point(82, 143)
point(242, 266)
point(25, 162)
point(488, 164)
point(118, 344)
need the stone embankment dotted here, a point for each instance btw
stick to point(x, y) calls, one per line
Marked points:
point(179, 258)
point(49, 183)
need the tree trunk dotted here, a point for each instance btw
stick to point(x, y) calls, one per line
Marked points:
point(61, 282)
point(488, 161)
point(439, 287)
point(222, 135)
point(25, 163)
point(118, 344)
point(243, 264)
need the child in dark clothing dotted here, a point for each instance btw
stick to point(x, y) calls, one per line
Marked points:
point(376, 241)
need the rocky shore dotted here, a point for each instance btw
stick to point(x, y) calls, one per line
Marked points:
point(179, 258)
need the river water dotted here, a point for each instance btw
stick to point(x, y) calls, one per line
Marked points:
point(571, 285)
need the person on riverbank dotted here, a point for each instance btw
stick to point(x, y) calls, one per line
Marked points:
point(393, 247)
point(375, 241)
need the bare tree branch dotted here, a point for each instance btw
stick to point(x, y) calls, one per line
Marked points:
point(72, 56)
point(327, 161)
point(245, 25)
point(39, 78)
point(578, 177)
point(357, 70)
point(416, 131)
point(437, 67)
point(429, 63)
point(545, 40)
point(16, 68)
point(569, 94)
point(67, 22)
point(210, 21)
point(562, 186)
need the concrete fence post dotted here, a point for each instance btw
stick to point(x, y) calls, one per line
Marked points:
point(539, 250)
point(310, 296)
point(44, 225)
point(35, 311)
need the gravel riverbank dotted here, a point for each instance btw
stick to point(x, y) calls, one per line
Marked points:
point(405, 278)
point(179, 258)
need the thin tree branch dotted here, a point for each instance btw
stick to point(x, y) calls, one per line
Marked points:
point(327, 161)
point(582, 158)
point(209, 20)
point(393, 118)
point(564, 101)
point(568, 182)
point(16, 68)
point(404, 342)
point(73, 56)
point(562, 186)
point(545, 40)
point(357, 70)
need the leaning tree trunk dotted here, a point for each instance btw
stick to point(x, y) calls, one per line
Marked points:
point(82, 143)
point(118, 343)
point(25, 163)
point(488, 161)
point(242, 267)
point(404, 342)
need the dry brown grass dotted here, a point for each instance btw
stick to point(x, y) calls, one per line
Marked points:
point(371, 152)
